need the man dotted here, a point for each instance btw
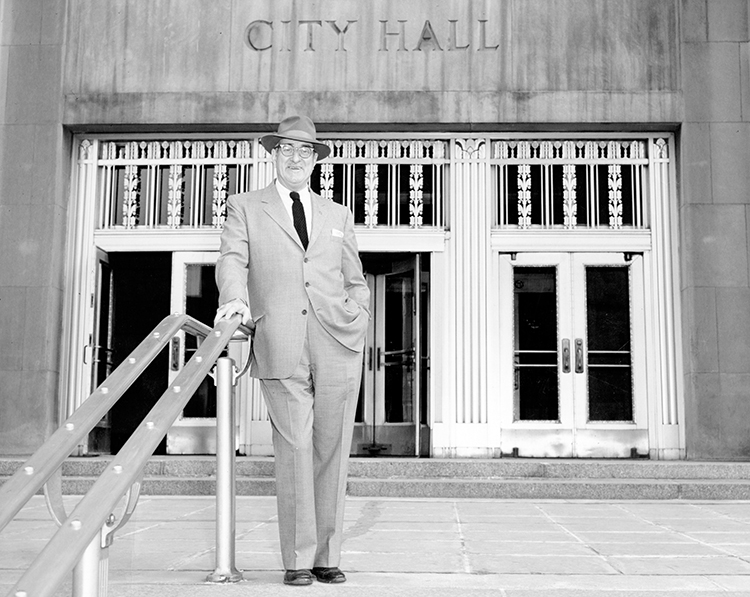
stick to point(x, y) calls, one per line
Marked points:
point(289, 261)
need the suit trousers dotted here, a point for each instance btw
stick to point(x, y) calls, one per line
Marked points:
point(312, 416)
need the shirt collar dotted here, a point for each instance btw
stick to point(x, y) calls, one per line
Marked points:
point(304, 193)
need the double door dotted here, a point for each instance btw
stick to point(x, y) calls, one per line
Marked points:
point(573, 366)
point(392, 411)
point(393, 393)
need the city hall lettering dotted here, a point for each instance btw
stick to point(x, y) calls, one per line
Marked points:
point(398, 35)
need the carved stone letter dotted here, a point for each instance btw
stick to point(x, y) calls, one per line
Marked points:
point(340, 33)
point(384, 33)
point(309, 47)
point(428, 37)
point(483, 37)
point(258, 35)
point(453, 39)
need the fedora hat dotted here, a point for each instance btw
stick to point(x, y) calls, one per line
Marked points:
point(296, 128)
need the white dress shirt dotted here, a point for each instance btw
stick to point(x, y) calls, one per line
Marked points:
point(304, 197)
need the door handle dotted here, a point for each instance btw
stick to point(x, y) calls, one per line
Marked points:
point(566, 355)
point(579, 355)
point(100, 354)
point(369, 358)
point(379, 358)
point(174, 360)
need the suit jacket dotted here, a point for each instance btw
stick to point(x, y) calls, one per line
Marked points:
point(262, 261)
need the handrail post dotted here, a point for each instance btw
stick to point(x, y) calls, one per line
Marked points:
point(225, 571)
point(90, 575)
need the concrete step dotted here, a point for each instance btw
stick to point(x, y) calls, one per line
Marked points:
point(507, 478)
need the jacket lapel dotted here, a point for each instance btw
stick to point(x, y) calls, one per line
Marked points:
point(274, 207)
point(320, 215)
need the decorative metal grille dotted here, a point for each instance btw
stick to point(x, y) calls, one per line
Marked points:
point(179, 184)
point(572, 184)
point(170, 184)
point(565, 184)
point(387, 182)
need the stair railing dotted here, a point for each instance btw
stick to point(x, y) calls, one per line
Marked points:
point(81, 543)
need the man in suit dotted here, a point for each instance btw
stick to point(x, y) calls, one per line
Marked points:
point(289, 263)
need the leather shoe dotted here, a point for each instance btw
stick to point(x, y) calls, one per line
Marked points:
point(329, 575)
point(298, 577)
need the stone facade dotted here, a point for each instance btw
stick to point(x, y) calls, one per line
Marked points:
point(714, 196)
point(68, 66)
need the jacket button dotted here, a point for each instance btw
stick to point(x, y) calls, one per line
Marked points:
point(304, 311)
point(306, 260)
point(307, 283)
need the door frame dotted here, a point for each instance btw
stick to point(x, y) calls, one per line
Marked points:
point(573, 435)
point(187, 434)
point(373, 435)
point(98, 354)
point(628, 436)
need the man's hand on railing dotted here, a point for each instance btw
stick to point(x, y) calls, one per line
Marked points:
point(226, 311)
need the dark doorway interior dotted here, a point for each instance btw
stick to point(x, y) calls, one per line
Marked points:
point(141, 300)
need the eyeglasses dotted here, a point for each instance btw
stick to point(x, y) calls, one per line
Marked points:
point(304, 151)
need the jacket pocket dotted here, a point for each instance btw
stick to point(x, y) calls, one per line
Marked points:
point(351, 306)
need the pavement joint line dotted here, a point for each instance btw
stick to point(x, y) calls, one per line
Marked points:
point(465, 560)
point(716, 547)
point(696, 540)
point(260, 525)
point(182, 563)
point(181, 518)
point(124, 534)
point(580, 541)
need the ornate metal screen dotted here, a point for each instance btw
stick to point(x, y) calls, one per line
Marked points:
point(572, 184)
point(565, 184)
point(181, 184)
point(387, 182)
point(171, 184)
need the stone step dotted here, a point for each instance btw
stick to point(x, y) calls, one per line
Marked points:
point(387, 468)
point(592, 489)
point(507, 478)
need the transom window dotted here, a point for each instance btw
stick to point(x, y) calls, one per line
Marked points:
point(572, 184)
point(557, 184)
point(184, 184)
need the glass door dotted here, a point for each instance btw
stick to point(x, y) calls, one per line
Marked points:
point(393, 396)
point(100, 348)
point(194, 292)
point(573, 368)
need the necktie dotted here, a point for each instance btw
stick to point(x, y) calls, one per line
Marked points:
point(298, 215)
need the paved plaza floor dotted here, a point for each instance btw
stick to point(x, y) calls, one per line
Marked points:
point(435, 547)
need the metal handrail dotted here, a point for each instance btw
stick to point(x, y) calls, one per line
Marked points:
point(84, 524)
point(28, 479)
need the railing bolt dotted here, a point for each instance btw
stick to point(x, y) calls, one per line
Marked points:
point(131, 360)
point(29, 470)
point(150, 425)
point(198, 359)
point(157, 335)
point(105, 390)
point(217, 333)
point(117, 469)
point(177, 389)
point(76, 525)
point(70, 426)
point(21, 594)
